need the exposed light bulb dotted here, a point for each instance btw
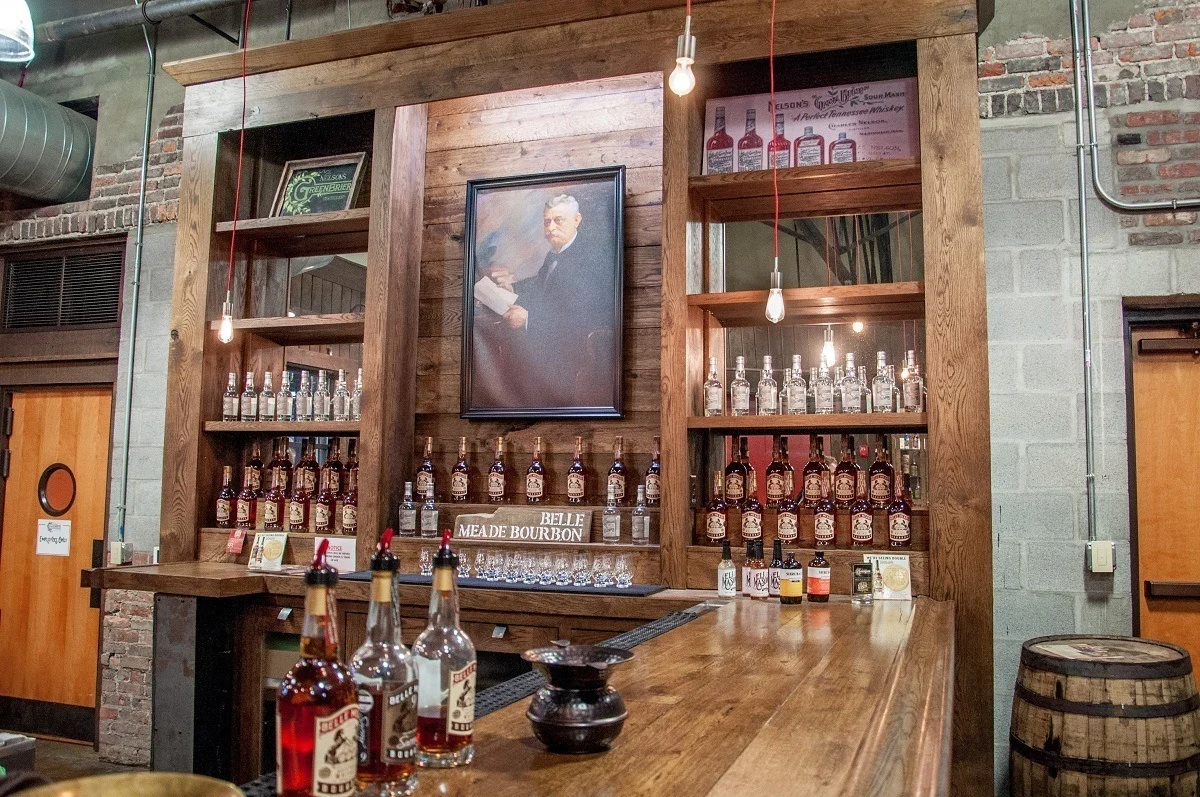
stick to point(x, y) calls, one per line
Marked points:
point(827, 352)
point(225, 331)
point(857, 326)
point(775, 307)
point(682, 80)
point(904, 372)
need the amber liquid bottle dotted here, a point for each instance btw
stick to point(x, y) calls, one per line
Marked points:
point(323, 507)
point(813, 477)
point(716, 515)
point(824, 524)
point(497, 476)
point(351, 465)
point(899, 520)
point(460, 475)
point(307, 470)
point(275, 502)
point(818, 578)
point(577, 476)
point(247, 500)
point(426, 472)
point(845, 476)
point(789, 473)
point(776, 481)
point(256, 466)
point(751, 476)
point(298, 506)
point(618, 473)
point(535, 476)
point(752, 518)
point(654, 476)
point(881, 479)
point(335, 471)
point(735, 481)
point(226, 499)
point(316, 711)
point(862, 521)
point(350, 505)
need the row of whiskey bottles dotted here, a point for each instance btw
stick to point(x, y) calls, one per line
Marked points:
point(306, 404)
point(808, 150)
point(363, 727)
point(537, 477)
point(847, 487)
point(325, 494)
point(845, 390)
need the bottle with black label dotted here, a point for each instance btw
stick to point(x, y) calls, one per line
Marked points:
point(386, 677)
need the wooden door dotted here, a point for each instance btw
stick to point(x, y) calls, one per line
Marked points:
point(1166, 421)
point(48, 631)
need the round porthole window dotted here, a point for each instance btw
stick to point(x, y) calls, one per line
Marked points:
point(56, 489)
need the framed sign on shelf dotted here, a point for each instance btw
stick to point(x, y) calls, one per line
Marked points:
point(318, 185)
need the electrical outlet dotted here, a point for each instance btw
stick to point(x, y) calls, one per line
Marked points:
point(119, 553)
point(1100, 556)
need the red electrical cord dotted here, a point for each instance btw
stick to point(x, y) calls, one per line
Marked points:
point(771, 121)
point(237, 187)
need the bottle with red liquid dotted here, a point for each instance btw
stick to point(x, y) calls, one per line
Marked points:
point(386, 676)
point(275, 502)
point(446, 665)
point(654, 476)
point(779, 151)
point(316, 712)
point(718, 150)
point(750, 147)
point(247, 500)
point(226, 499)
point(427, 471)
point(843, 150)
point(810, 149)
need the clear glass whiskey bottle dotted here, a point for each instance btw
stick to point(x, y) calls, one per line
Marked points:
point(767, 395)
point(249, 401)
point(714, 391)
point(739, 389)
point(322, 400)
point(823, 391)
point(304, 398)
point(797, 390)
point(882, 385)
point(851, 388)
point(341, 398)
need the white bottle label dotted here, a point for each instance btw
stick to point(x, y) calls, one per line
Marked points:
point(267, 409)
point(335, 752)
point(776, 489)
point(641, 528)
point(812, 487)
point(862, 529)
point(843, 486)
point(734, 487)
point(229, 407)
point(740, 398)
point(773, 579)
point(653, 487)
point(408, 522)
point(249, 408)
point(296, 514)
point(429, 522)
point(823, 526)
point(462, 701)
point(611, 528)
point(495, 485)
point(881, 488)
point(349, 519)
point(321, 517)
point(720, 161)
point(824, 397)
point(788, 528)
point(882, 396)
point(287, 410)
point(899, 528)
point(714, 526)
point(759, 582)
point(270, 514)
point(424, 482)
point(223, 510)
point(713, 397)
point(727, 581)
point(750, 159)
point(616, 482)
point(458, 485)
point(797, 400)
point(575, 486)
point(781, 158)
point(534, 484)
point(808, 154)
point(752, 526)
point(912, 395)
point(841, 153)
point(768, 401)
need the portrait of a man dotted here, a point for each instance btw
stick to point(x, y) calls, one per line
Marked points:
point(542, 296)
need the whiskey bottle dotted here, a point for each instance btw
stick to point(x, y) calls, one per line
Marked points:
point(824, 525)
point(818, 578)
point(266, 400)
point(324, 506)
point(577, 476)
point(654, 475)
point(460, 475)
point(810, 149)
point(812, 388)
point(497, 476)
point(716, 514)
point(839, 374)
point(281, 464)
point(845, 476)
point(751, 476)
point(851, 388)
point(914, 385)
point(275, 502)
point(726, 573)
point(739, 389)
point(426, 471)
point(341, 398)
point(789, 473)
point(307, 470)
point(718, 150)
point(334, 470)
point(881, 478)
point(864, 388)
point(779, 151)
point(791, 580)
point(226, 499)
point(249, 402)
point(322, 400)
point(247, 500)
point(304, 399)
point(298, 507)
point(617, 473)
point(787, 522)
point(429, 515)
point(735, 480)
point(899, 514)
point(351, 464)
point(386, 676)
point(775, 569)
point(316, 711)
point(776, 483)
point(356, 398)
point(797, 390)
point(714, 391)
point(285, 402)
point(747, 565)
point(229, 401)
point(350, 505)
point(610, 528)
point(640, 519)
point(752, 517)
point(843, 150)
point(813, 475)
point(445, 661)
point(823, 391)
point(408, 513)
point(882, 385)
point(535, 476)
point(750, 147)
point(255, 464)
point(760, 577)
point(862, 522)
point(767, 394)
point(783, 391)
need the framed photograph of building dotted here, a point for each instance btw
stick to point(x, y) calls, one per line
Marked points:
point(318, 185)
point(542, 313)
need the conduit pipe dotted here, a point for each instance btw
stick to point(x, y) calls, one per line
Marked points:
point(150, 12)
point(45, 149)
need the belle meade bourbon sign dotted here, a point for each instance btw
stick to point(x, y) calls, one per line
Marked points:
point(526, 524)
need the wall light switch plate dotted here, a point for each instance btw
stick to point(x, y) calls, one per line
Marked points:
point(154, 559)
point(119, 553)
point(1101, 555)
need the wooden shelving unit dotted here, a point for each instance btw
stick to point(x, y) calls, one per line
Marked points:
point(893, 301)
point(846, 422)
point(303, 330)
point(290, 428)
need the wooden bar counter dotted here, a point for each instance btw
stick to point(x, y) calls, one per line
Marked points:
point(754, 698)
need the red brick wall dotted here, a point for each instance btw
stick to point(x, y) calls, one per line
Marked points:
point(1158, 157)
point(126, 653)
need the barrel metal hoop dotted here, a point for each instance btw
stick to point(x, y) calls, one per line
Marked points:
point(1174, 709)
point(1104, 669)
point(1087, 766)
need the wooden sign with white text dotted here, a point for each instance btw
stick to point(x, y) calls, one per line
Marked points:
point(527, 524)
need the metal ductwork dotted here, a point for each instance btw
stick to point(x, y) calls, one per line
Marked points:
point(46, 150)
point(150, 12)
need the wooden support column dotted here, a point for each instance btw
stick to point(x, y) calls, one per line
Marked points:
point(390, 326)
point(956, 343)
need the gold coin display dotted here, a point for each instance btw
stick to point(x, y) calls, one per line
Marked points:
point(273, 549)
point(895, 578)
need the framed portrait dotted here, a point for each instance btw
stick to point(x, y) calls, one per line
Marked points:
point(543, 277)
point(318, 185)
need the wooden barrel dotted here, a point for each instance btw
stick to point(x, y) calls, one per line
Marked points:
point(1104, 715)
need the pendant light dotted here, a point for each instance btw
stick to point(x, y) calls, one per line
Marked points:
point(828, 355)
point(225, 330)
point(682, 81)
point(16, 32)
point(775, 305)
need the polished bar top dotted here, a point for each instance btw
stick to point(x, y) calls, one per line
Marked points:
point(754, 698)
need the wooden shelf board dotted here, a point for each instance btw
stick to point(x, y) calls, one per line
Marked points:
point(292, 428)
point(830, 304)
point(329, 223)
point(251, 532)
point(423, 542)
point(847, 422)
point(807, 179)
point(303, 330)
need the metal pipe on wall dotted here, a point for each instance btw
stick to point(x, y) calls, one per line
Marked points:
point(150, 12)
point(46, 150)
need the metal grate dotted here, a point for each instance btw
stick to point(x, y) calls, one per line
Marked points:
point(63, 288)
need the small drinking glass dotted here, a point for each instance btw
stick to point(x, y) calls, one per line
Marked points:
point(427, 561)
point(464, 566)
point(562, 569)
point(546, 568)
point(624, 572)
point(512, 567)
point(480, 563)
point(495, 566)
point(529, 568)
point(582, 569)
point(600, 571)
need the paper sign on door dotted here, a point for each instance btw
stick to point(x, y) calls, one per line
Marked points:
point(53, 537)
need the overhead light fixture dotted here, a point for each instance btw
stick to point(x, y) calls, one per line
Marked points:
point(682, 81)
point(16, 32)
point(225, 331)
point(775, 306)
point(857, 326)
point(827, 353)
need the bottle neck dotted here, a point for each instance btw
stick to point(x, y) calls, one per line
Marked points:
point(318, 637)
point(382, 622)
point(443, 600)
